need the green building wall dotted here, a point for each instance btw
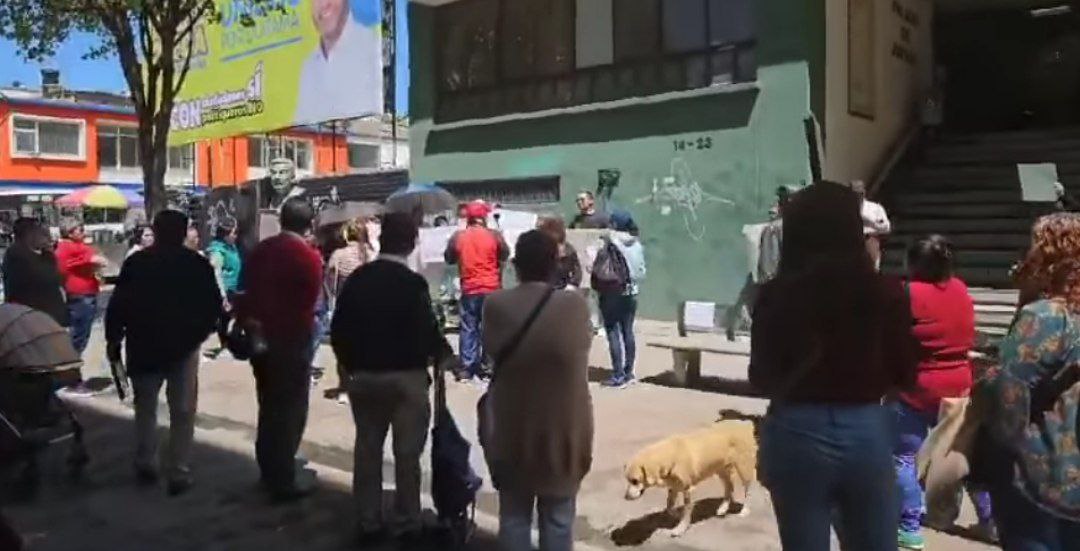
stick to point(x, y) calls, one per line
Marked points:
point(727, 150)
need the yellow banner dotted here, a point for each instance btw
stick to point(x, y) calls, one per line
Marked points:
point(274, 64)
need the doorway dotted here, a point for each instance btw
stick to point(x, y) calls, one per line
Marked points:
point(1010, 69)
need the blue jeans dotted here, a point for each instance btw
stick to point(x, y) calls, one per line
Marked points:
point(619, 312)
point(82, 309)
point(826, 464)
point(912, 427)
point(555, 516)
point(320, 328)
point(1022, 526)
point(472, 348)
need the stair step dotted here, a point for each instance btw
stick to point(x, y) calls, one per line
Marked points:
point(995, 320)
point(902, 239)
point(991, 331)
point(1027, 211)
point(1004, 170)
point(997, 156)
point(952, 196)
point(969, 258)
point(916, 223)
point(995, 309)
point(1047, 148)
point(995, 297)
point(1045, 134)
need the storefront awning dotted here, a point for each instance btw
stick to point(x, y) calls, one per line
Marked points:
point(11, 188)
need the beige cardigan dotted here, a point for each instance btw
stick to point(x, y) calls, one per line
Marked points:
point(543, 419)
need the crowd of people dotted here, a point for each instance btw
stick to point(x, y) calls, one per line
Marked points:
point(860, 372)
point(357, 283)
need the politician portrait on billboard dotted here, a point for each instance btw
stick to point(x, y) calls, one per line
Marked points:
point(276, 64)
point(347, 58)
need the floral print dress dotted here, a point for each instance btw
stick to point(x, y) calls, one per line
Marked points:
point(1031, 403)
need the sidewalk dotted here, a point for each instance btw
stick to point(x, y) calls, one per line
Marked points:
point(227, 512)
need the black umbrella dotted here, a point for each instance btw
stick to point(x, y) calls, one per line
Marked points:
point(428, 198)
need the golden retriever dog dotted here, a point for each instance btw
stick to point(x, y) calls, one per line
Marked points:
point(726, 450)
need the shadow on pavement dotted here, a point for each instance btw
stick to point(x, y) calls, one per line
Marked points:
point(598, 374)
point(226, 510)
point(638, 531)
point(718, 385)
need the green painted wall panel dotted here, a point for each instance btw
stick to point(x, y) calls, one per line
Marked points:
point(691, 230)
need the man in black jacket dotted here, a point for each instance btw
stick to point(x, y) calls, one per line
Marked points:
point(385, 335)
point(31, 276)
point(166, 303)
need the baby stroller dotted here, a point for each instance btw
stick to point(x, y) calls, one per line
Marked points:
point(36, 358)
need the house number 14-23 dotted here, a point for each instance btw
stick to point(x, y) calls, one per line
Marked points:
point(699, 144)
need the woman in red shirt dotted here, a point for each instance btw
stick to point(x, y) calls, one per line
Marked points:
point(944, 324)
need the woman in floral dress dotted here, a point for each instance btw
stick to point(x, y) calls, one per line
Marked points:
point(1031, 400)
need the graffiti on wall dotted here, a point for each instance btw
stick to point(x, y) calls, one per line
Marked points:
point(679, 192)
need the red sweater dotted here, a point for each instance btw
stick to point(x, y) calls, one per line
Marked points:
point(76, 263)
point(944, 317)
point(282, 281)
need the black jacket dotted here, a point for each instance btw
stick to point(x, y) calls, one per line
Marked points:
point(384, 321)
point(33, 279)
point(568, 269)
point(165, 304)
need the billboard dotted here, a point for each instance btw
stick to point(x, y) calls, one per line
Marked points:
point(271, 64)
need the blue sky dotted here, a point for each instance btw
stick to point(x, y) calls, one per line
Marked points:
point(105, 75)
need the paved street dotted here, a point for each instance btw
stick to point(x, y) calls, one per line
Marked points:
point(226, 510)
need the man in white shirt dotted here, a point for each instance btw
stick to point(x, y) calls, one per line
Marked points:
point(342, 78)
point(876, 225)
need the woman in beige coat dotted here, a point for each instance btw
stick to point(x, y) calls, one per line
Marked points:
point(541, 445)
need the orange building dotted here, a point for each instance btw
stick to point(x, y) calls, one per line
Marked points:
point(53, 143)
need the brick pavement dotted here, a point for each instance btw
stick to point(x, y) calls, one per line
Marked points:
point(226, 511)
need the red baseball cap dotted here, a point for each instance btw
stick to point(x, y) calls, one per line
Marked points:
point(477, 209)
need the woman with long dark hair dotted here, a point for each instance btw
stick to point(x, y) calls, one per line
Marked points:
point(830, 339)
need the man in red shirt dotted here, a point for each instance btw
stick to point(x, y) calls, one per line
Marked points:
point(282, 280)
point(480, 252)
point(79, 264)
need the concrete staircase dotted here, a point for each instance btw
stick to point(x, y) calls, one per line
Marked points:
point(966, 188)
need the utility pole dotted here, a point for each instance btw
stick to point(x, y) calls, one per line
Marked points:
point(389, 25)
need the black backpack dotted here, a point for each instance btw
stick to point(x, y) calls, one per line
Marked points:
point(610, 272)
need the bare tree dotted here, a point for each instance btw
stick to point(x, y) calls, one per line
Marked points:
point(153, 40)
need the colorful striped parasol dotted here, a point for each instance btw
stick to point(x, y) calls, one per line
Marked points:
point(101, 197)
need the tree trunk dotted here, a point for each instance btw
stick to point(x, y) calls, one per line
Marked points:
point(154, 162)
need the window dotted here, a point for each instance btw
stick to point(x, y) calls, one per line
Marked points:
point(467, 34)
point(537, 38)
point(181, 157)
point(118, 147)
point(636, 31)
point(264, 149)
point(685, 28)
point(47, 137)
point(513, 56)
point(362, 155)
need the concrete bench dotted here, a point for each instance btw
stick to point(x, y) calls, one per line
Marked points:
point(686, 353)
